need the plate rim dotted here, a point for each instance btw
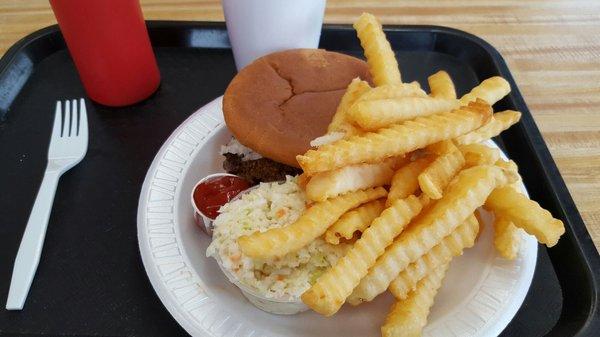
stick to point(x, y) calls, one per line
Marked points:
point(152, 273)
point(183, 318)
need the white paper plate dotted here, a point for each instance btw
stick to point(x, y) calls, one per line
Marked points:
point(481, 293)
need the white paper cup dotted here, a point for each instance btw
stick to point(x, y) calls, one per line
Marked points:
point(260, 27)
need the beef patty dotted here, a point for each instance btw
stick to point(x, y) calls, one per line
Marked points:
point(257, 170)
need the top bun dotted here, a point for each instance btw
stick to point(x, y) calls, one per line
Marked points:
point(280, 102)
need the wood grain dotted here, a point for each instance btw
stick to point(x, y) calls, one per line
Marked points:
point(552, 48)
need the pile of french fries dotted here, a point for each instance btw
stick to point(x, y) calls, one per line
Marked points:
point(400, 175)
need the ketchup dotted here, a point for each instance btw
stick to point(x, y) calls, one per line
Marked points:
point(215, 192)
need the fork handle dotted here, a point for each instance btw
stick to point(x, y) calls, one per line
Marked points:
point(32, 242)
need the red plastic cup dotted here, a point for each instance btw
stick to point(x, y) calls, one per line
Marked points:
point(109, 44)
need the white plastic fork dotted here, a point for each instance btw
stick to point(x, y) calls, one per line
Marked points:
point(68, 145)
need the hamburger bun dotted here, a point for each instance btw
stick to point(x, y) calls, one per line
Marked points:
point(280, 102)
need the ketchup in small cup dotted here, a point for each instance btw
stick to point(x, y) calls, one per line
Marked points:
point(212, 192)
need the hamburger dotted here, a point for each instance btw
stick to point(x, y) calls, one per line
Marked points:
point(276, 105)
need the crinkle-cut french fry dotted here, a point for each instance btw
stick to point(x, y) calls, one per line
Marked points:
point(512, 167)
point(380, 56)
point(396, 140)
point(464, 195)
point(340, 125)
point(302, 180)
point(443, 147)
point(340, 122)
point(416, 84)
point(331, 137)
point(377, 114)
point(527, 214)
point(481, 221)
point(391, 91)
point(349, 178)
point(508, 165)
point(491, 90)
point(435, 177)
point(507, 238)
point(404, 181)
point(441, 85)
point(408, 317)
point(313, 223)
point(452, 245)
point(425, 200)
point(500, 121)
point(479, 154)
point(328, 294)
point(356, 220)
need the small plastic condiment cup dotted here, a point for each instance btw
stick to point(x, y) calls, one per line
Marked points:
point(287, 305)
point(201, 219)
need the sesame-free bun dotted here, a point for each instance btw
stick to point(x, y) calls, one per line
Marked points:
point(277, 104)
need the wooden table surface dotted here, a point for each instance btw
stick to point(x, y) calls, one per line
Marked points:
point(552, 49)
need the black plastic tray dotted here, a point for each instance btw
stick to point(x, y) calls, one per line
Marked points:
point(91, 281)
